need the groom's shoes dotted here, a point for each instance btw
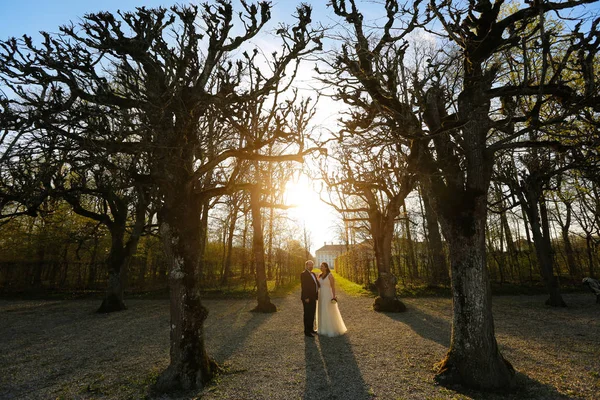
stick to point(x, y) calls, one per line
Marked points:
point(308, 334)
point(315, 332)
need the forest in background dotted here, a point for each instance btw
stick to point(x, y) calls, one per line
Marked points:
point(60, 250)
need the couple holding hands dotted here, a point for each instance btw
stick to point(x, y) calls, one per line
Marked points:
point(318, 296)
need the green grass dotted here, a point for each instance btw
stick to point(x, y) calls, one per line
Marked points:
point(283, 290)
point(351, 288)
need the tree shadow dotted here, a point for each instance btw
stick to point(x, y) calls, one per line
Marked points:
point(527, 388)
point(426, 325)
point(528, 317)
point(232, 336)
point(332, 371)
point(439, 330)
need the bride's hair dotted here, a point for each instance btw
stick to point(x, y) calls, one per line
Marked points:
point(324, 274)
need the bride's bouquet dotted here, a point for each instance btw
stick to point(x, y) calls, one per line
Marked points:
point(334, 300)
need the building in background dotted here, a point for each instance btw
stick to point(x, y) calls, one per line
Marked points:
point(328, 253)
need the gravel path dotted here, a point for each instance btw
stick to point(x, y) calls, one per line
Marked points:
point(61, 349)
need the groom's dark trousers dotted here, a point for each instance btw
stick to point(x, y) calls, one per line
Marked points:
point(309, 291)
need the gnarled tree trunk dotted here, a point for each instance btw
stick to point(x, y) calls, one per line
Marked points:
point(190, 366)
point(473, 358)
point(117, 263)
point(382, 230)
point(460, 202)
point(121, 254)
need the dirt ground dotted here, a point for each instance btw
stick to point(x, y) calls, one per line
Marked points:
point(63, 350)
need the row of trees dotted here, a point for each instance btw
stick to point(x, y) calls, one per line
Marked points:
point(510, 246)
point(151, 117)
point(61, 250)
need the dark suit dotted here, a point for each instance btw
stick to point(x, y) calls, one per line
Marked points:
point(309, 291)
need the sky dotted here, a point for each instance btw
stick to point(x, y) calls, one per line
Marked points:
point(19, 17)
point(30, 16)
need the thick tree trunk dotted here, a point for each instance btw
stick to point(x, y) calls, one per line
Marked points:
point(473, 358)
point(121, 255)
point(117, 263)
point(386, 281)
point(258, 246)
point(190, 366)
point(460, 202)
point(113, 299)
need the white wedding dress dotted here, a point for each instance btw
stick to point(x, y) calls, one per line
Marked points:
point(329, 319)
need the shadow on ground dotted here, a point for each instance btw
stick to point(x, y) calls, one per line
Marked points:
point(424, 324)
point(233, 334)
point(527, 388)
point(437, 329)
point(332, 371)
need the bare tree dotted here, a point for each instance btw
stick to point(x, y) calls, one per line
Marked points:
point(454, 158)
point(170, 76)
point(370, 185)
point(535, 176)
point(52, 166)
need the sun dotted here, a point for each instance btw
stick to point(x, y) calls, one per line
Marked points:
point(302, 198)
point(308, 210)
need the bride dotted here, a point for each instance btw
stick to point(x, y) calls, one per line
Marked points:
point(329, 319)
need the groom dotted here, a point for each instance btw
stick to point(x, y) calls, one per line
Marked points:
point(310, 287)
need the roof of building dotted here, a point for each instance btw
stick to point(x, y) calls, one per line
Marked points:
point(332, 247)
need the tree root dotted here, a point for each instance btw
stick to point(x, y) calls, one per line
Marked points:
point(111, 303)
point(265, 308)
point(388, 305)
point(448, 375)
point(172, 380)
